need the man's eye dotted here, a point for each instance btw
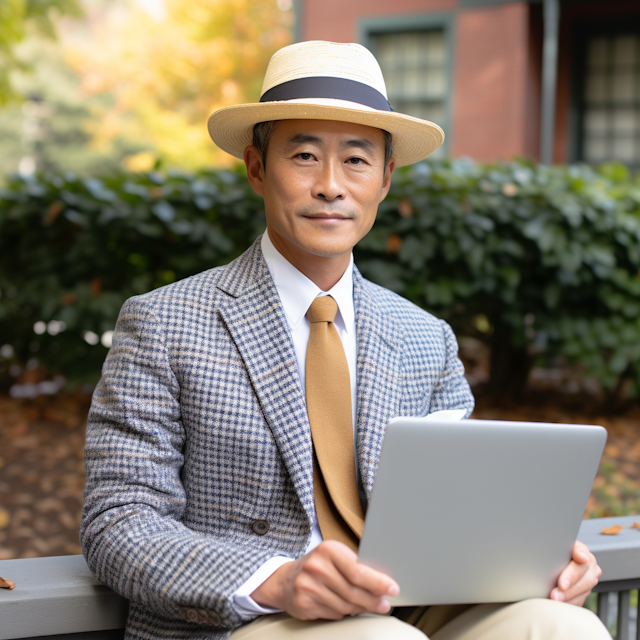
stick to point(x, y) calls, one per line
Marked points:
point(355, 161)
point(305, 156)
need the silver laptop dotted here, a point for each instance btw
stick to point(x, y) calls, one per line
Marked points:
point(478, 510)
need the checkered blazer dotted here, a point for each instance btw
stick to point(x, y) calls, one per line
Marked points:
point(198, 449)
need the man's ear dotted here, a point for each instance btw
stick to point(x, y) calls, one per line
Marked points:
point(255, 169)
point(386, 178)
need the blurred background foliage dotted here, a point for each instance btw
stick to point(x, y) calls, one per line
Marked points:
point(19, 18)
point(104, 85)
point(536, 261)
point(72, 250)
point(540, 263)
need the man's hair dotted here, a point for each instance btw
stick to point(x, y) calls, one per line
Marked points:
point(263, 130)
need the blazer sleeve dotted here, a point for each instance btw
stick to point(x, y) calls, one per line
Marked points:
point(132, 533)
point(451, 391)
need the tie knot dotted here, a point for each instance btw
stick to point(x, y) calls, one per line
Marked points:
point(322, 309)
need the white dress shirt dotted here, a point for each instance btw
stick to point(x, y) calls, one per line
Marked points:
point(297, 293)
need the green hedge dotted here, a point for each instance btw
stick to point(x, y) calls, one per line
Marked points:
point(540, 262)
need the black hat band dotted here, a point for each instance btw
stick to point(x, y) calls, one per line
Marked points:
point(328, 88)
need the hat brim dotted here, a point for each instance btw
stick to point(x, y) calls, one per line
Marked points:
point(231, 128)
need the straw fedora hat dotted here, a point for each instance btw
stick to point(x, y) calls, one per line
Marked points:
point(319, 80)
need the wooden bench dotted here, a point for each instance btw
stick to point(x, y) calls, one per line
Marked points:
point(619, 559)
point(59, 597)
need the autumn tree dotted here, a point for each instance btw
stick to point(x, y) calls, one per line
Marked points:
point(17, 17)
point(169, 70)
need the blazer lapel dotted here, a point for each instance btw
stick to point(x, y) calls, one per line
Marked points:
point(379, 385)
point(254, 318)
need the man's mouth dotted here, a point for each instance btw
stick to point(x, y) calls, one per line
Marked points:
point(327, 216)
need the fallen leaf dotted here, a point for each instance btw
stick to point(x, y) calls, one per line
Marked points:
point(635, 525)
point(612, 531)
point(7, 584)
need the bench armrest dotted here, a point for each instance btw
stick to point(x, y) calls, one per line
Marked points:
point(56, 595)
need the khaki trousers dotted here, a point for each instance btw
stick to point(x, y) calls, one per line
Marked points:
point(527, 620)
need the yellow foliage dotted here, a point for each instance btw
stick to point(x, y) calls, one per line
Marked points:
point(169, 73)
point(142, 161)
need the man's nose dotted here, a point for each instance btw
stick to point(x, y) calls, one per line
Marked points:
point(328, 185)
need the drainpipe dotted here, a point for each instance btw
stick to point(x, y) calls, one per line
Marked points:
point(551, 15)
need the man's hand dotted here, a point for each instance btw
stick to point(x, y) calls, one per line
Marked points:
point(327, 583)
point(579, 577)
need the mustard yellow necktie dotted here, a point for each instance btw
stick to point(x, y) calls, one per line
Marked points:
point(328, 391)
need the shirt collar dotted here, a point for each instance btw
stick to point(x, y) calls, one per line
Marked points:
point(297, 292)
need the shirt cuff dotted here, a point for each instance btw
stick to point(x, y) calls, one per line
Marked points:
point(445, 415)
point(242, 597)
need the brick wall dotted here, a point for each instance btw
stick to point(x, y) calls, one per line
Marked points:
point(491, 84)
point(337, 20)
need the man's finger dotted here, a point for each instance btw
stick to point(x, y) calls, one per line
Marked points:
point(332, 606)
point(583, 563)
point(579, 578)
point(586, 583)
point(340, 575)
point(360, 575)
point(353, 596)
point(581, 553)
point(323, 570)
point(572, 574)
point(358, 596)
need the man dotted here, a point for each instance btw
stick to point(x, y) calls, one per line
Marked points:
point(224, 497)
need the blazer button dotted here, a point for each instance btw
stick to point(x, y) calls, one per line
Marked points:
point(200, 616)
point(260, 527)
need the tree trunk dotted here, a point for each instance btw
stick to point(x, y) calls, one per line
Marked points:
point(510, 365)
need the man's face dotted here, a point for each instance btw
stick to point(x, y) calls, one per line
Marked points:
point(322, 185)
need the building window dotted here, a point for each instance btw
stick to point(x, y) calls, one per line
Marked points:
point(415, 65)
point(611, 99)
